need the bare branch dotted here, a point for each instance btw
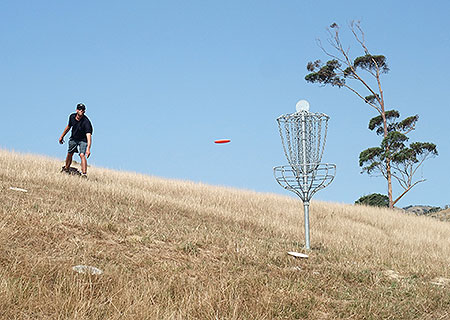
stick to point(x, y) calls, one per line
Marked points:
point(402, 180)
point(420, 163)
point(319, 43)
point(400, 196)
point(362, 41)
point(364, 99)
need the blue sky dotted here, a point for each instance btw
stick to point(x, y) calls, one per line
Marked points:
point(163, 79)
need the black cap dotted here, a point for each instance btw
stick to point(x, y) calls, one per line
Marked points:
point(81, 106)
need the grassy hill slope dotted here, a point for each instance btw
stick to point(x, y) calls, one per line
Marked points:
point(443, 215)
point(181, 250)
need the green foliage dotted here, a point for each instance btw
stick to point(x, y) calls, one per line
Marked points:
point(332, 73)
point(394, 143)
point(348, 72)
point(403, 126)
point(393, 147)
point(408, 124)
point(423, 147)
point(374, 199)
point(377, 122)
point(325, 74)
point(372, 158)
point(371, 63)
point(372, 99)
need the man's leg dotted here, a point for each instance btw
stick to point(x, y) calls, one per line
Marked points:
point(72, 149)
point(83, 163)
point(69, 160)
point(83, 146)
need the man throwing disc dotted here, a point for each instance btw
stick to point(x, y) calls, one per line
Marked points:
point(81, 137)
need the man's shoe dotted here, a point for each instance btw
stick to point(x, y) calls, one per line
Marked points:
point(84, 175)
point(64, 170)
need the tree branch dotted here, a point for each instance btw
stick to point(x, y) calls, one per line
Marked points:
point(399, 197)
point(364, 99)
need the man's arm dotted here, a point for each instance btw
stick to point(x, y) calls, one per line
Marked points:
point(89, 142)
point(61, 139)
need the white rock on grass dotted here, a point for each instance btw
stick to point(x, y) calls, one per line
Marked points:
point(87, 269)
point(440, 281)
point(394, 275)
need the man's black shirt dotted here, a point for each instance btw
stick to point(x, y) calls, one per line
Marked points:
point(79, 128)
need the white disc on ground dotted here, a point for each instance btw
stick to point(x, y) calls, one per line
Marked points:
point(18, 189)
point(297, 254)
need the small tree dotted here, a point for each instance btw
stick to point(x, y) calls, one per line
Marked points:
point(404, 160)
point(343, 72)
point(374, 199)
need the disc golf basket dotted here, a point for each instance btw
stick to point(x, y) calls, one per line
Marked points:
point(303, 135)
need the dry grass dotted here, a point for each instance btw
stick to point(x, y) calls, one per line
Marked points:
point(180, 250)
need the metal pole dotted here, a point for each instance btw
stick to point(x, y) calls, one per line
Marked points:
point(306, 208)
point(305, 183)
point(305, 156)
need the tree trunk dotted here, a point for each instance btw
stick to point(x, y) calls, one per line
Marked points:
point(388, 159)
point(389, 179)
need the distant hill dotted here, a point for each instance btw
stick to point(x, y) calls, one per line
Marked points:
point(171, 249)
point(443, 215)
point(418, 209)
point(435, 212)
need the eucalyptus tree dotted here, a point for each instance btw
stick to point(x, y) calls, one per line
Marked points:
point(405, 159)
point(362, 76)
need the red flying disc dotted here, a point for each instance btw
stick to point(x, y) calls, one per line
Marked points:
point(222, 141)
